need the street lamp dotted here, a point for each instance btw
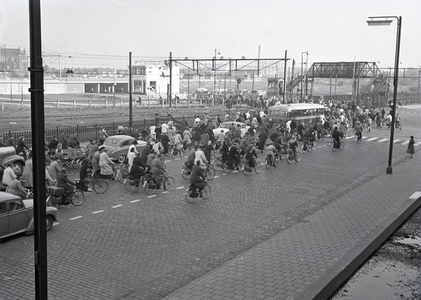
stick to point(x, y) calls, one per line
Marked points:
point(302, 78)
point(214, 76)
point(379, 21)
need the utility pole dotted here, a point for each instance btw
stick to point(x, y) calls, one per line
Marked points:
point(130, 92)
point(38, 127)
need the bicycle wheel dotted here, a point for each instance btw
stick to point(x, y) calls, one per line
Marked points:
point(121, 175)
point(342, 145)
point(206, 192)
point(217, 164)
point(149, 185)
point(297, 157)
point(100, 186)
point(268, 163)
point(227, 166)
point(78, 198)
point(257, 167)
point(70, 171)
point(187, 196)
point(130, 184)
point(210, 173)
point(169, 184)
point(290, 158)
point(185, 173)
point(246, 169)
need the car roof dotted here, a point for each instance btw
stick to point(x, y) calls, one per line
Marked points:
point(7, 196)
point(121, 137)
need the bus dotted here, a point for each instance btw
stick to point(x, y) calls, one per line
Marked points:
point(304, 112)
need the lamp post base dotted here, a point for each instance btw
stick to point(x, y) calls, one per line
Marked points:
point(389, 170)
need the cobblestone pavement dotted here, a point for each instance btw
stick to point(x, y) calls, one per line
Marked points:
point(264, 236)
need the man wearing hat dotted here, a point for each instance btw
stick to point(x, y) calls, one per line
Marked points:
point(65, 183)
point(104, 164)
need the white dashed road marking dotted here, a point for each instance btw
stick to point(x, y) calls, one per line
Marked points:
point(133, 201)
point(75, 218)
point(405, 143)
point(395, 141)
point(382, 140)
point(151, 196)
point(56, 223)
point(98, 211)
point(372, 139)
point(180, 187)
point(118, 205)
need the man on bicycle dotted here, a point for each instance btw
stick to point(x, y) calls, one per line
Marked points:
point(66, 184)
point(197, 179)
point(251, 154)
point(336, 137)
point(234, 155)
point(272, 153)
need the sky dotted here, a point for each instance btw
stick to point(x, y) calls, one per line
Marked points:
point(328, 30)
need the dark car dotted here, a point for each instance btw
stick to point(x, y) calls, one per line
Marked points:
point(17, 215)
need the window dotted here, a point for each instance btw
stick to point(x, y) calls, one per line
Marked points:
point(2, 208)
point(15, 205)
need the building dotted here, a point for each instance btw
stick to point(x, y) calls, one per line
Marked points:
point(151, 80)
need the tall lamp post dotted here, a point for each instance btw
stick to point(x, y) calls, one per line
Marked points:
point(302, 78)
point(386, 20)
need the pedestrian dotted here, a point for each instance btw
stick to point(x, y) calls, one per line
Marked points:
point(22, 147)
point(411, 149)
point(62, 139)
point(27, 172)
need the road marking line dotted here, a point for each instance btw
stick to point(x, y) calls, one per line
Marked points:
point(75, 218)
point(417, 144)
point(56, 223)
point(151, 196)
point(133, 201)
point(405, 143)
point(382, 140)
point(235, 171)
point(98, 211)
point(224, 174)
point(180, 187)
point(118, 205)
point(372, 139)
point(395, 141)
point(176, 158)
point(165, 192)
point(216, 176)
point(167, 161)
point(364, 137)
point(349, 137)
point(186, 157)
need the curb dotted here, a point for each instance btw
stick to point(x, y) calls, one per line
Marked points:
point(337, 275)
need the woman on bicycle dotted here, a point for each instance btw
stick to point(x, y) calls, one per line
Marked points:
point(158, 169)
point(66, 184)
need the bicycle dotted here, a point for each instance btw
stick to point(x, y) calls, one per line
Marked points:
point(216, 163)
point(99, 185)
point(248, 170)
point(341, 145)
point(307, 146)
point(271, 161)
point(229, 166)
point(122, 173)
point(291, 156)
point(186, 170)
point(193, 193)
point(130, 183)
point(56, 198)
point(150, 185)
point(70, 166)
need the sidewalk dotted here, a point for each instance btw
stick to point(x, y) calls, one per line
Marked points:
point(315, 256)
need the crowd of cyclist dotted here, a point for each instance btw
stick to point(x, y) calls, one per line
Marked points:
point(199, 140)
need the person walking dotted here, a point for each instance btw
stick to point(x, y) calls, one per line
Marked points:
point(27, 172)
point(411, 148)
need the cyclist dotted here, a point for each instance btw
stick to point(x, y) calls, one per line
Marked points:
point(199, 156)
point(336, 136)
point(251, 154)
point(138, 168)
point(292, 143)
point(234, 155)
point(84, 174)
point(197, 179)
point(272, 153)
point(66, 184)
point(158, 169)
point(358, 131)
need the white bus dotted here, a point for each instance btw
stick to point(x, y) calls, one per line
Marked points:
point(303, 112)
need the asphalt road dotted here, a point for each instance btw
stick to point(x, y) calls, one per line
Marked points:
point(127, 245)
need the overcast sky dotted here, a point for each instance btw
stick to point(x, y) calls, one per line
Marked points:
point(330, 30)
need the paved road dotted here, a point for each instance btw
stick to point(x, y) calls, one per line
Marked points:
point(124, 245)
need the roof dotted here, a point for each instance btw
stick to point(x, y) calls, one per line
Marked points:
point(7, 196)
point(295, 106)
